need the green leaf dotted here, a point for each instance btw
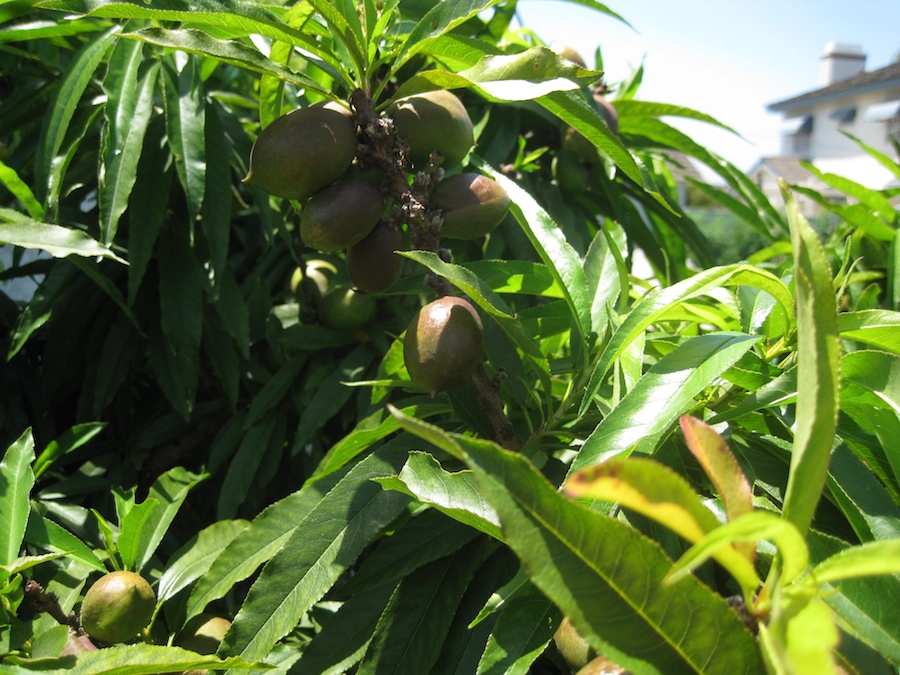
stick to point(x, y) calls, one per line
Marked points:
point(193, 560)
point(181, 305)
point(326, 542)
point(342, 642)
point(58, 241)
point(186, 127)
point(256, 544)
point(641, 419)
point(818, 349)
point(750, 527)
point(572, 109)
point(864, 501)
point(868, 559)
point(440, 19)
point(879, 328)
point(550, 243)
point(154, 179)
point(871, 378)
point(871, 199)
point(658, 303)
point(200, 43)
point(70, 440)
point(518, 277)
point(137, 659)
point(618, 602)
point(39, 309)
point(427, 536)
point(506, 77)
point(169, 490)
point(371, 429)
point(634, 108)
point(46, 534)
point(21, 191)
point(244, 18)
point(656, 491)
point(131, 531)
point(865, 605)
point(16, 481)
point(454, 494)
point(62, 108)
point(128, 110)
point(412, 629)
point(245, 463)
point(803, 641)
point(524, 628)
point(481, 294)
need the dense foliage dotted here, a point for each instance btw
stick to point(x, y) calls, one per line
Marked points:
point(696, 467)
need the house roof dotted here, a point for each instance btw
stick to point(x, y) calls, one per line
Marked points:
point(873, 80)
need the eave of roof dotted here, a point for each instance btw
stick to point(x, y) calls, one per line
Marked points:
point(873, 80)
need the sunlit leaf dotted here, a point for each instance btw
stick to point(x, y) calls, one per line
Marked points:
point(661, 396)
point(720, 466)
point(16, 481)
point(58, 241)
point(817, 370)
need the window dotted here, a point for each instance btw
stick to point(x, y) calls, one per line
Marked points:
point(795, 135)
point(843, 115)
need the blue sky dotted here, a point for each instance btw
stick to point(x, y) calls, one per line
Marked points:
point(726, 58)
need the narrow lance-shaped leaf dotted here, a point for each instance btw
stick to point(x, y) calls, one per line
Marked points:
point(199, 43)
point(412, 629)
point(128, 110)
point(62, 109)
point(506, 77)
point(550, 243)
point(169, 490)
point(194, 559)
point(186, 124)
point(19, 230)
point(818, 348)
point(661, 396)
point(525, 626)
point(139, 659)
point(16, 481)
point(70, 440)
point(326, 542)
point(605, 576)
point(256, 544)
point(21, 191)
point(245, 18)
point(455, 494)
point(443, 17)
point(659, 302)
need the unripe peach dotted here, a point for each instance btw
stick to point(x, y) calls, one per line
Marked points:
point(300, 153)
point(341, 215)
point(433, 121)
point(472, 205)
point(443, 344)
point(117, 607)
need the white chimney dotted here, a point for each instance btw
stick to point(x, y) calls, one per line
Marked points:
point(839, 62)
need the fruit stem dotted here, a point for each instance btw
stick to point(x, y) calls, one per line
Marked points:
point(489, 398)
point(49, 603)
point(381, 147)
